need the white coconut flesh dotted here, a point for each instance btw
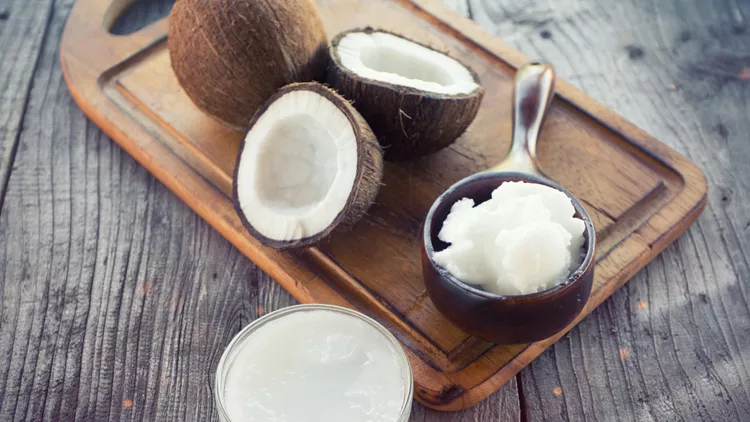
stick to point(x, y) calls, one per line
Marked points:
point(298, 167)
point(387, 58)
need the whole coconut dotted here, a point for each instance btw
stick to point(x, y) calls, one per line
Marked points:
point(232, 55)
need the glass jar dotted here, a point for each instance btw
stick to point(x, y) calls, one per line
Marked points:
point(241, 339)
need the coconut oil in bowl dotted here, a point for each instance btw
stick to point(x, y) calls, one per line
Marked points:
point(520, 266)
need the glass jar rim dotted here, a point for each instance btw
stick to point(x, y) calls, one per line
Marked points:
point(234, 346)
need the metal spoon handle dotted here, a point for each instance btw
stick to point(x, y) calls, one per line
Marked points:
point(532, 96)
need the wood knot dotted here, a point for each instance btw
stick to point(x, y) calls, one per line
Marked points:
point(723, 131)
point(726, 195)
point(635, 52)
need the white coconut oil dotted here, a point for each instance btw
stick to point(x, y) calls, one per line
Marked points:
point(523, 240)
point(314, 363)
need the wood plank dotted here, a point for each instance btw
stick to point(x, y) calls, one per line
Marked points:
point(669, 345)
point(116, 299)
point(23, 26)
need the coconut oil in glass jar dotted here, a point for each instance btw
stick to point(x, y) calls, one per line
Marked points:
point(314, 363)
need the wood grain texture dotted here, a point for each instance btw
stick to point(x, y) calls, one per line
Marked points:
point(671, 344)
point(96, 316)
point(126, 85)
point(23, 27)
point(461, 7)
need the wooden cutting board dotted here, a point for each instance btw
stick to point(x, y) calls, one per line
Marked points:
point(640, 193)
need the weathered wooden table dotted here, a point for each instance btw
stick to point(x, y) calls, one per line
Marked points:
point(116, 300)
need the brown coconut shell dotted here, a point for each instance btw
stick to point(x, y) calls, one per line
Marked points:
point(232, 55)
point(366, 183)
point(409, 122)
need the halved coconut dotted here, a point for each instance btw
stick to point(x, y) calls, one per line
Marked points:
point(418, 100)
point(308, 164)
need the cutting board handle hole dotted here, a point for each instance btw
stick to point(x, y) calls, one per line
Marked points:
point(140, 14)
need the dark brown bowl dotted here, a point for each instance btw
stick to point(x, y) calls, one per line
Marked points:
point(495, 318)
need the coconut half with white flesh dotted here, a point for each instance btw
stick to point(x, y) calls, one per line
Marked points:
point(417, 99)
point(309, 164)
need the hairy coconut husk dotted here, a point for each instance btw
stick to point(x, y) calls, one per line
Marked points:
point(232, 55)
point(367, 182)
point(409, 122)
